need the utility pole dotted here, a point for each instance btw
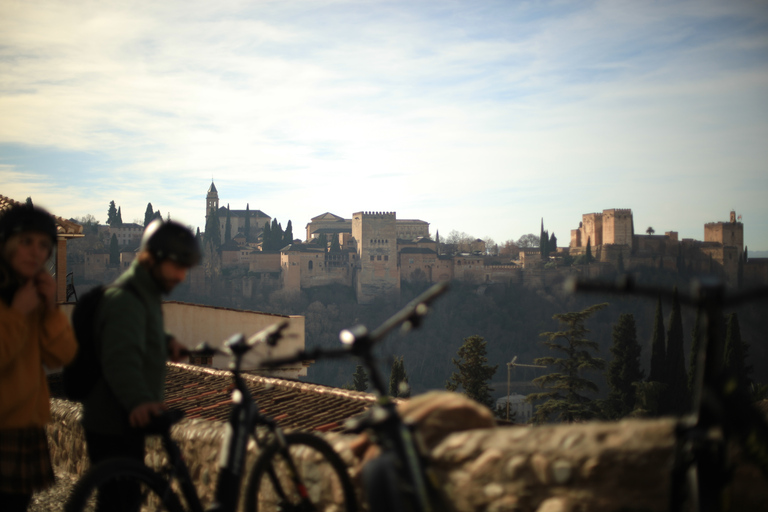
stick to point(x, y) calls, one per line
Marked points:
point(509, 368)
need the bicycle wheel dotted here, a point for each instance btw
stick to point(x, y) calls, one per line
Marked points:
point(322, 482)
point(122, 485)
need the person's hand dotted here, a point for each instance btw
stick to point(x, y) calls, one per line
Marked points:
point(142, 414)
point(176, 350)
point(46, 287)
point(26, 299)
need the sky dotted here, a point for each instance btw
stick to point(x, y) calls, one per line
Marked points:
point(480, 117)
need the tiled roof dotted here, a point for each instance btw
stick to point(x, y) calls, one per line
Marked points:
point(204, 393)
point(328, 216)
point(64, 227)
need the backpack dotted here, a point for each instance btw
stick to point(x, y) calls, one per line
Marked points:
point(81, 375)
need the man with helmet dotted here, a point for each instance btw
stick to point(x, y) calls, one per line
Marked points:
point(133, 345)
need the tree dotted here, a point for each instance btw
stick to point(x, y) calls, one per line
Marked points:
point(114, 251)
point(736, 353)
point(360, 378)
point(149, 214)
point(322, 241)
point(528, 241)
point(266, 236)
point(589, 258)
point(288, 235)
point(474, 373)
point(398, 380)
point(335, 247)
point(119, 219)
point(620, 263)
point(552, 245)
point(29, 202)
point(677, 399)
point(658, 348)
point(696, 339)
point(247, 226)
point(111, 213)
point(228, 227)
point(212, 233)
point(564, 398)
point(543, 241)
point(624, 370)
point(650, 230)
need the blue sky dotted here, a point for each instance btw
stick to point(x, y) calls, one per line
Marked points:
point(480, 117)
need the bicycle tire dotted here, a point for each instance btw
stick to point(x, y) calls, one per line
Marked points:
point(154, 491)
point(330, 488)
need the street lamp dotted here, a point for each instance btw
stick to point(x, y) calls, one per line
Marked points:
point(509, 368)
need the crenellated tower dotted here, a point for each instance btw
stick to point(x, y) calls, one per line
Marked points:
point(378, 273)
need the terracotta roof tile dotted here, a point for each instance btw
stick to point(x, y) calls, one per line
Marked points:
point(205, 393)
point(64, 227)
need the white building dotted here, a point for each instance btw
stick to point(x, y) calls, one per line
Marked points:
point(519, 409)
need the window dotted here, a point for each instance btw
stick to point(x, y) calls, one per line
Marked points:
point(371, 258)
point(386, 258)
point(378, 257)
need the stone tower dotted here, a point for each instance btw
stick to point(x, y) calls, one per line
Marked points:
point(729, 234)
point(211, 200)
point(617, 227)
point(378, 273)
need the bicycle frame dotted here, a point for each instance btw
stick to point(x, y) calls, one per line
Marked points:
point(392, 432)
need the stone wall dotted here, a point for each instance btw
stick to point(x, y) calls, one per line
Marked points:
point(558, 468)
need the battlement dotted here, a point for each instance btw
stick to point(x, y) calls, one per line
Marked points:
point(618, 212)
point(377, 215)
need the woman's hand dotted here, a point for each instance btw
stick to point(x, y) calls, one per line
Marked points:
point(26, 299)
point(46, 287)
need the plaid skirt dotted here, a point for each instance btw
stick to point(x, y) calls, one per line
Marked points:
point(25, 462)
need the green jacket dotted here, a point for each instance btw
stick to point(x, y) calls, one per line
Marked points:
point(133, 350)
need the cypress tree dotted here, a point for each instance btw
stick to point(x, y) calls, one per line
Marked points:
point(212, 230)
point(736, 353)
point(658, 348)
point(552, 245)
point(696, 340)
point(247, 226)
point(398, 379)
point(335, 247)
point(148, 214)
point(676, 377)
point(114, 251)
point(111, 213)
point(589, 250)
point(360, 378)
point(564, 398)
point(119, 218)
point(624, 370)
point(266, 237)
point(474, 373)
point(288, 235)
point(228, 227)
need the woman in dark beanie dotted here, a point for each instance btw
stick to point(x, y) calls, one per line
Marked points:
point(33, 333)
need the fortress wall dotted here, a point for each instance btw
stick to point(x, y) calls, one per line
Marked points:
point(617, 227)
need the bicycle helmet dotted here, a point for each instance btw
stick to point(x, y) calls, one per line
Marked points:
point(170, 240)
point(22, 218)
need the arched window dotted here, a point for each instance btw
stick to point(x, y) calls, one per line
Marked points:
point(310, 264)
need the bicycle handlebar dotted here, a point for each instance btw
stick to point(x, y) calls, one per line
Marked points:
point(358, 341)
point(237, 345)
point(701, 291)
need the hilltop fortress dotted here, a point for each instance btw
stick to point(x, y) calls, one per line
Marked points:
point(374, 252)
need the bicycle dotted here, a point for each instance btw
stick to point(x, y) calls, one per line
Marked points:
point(721, 409)
point(400, 479)
point(277, 480)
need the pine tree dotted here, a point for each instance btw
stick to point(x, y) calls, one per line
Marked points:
point(360, 379)
point(658, 348)
point(678, 401)
point(228, 227)
point(247, 226)
point(111, 213)
point(696, 339)
point(563, 397)
point(114, 251)
point(148, 214)
point(624, 370)
point(736, 353)
point(474, 373)
point(398, 379)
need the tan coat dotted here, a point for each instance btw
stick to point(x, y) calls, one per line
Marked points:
point(26, 343)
